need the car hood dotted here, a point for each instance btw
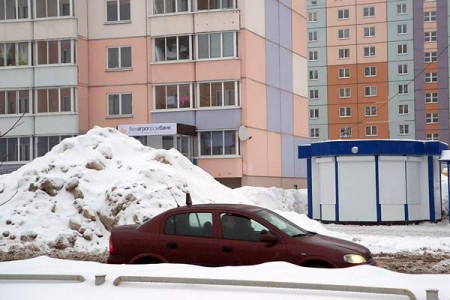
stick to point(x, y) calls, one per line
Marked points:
point(344, 246)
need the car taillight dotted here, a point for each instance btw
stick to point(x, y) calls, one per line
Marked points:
point(111, 246)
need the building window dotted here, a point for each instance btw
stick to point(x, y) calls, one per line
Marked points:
point(369, 11)
point(14, 54)
point(14, 10)
point(430, 16)
point(169, 7)
point(172, 48)
point(431, 77)
point(218, 94)
point(432, 136)
point(344, 33)
point(313, 55)
point(15, 149)
point(118, 11)
point(402, 29)
point(314, 113)
point(402, 49)
point(55, 52)
point(369, 31)
point(312, 16)
point(344, 73)
point(430, 56)
point(217, 45)
point(120, 105)
point(370, 71)
point(55, 100)
point(345, 132)
point(431, 98)
point(371, 131)
point(344, 53)
point(45, 143)
point(369, 51)
point(312, 36)
point(313, 75)
point(370, 111)
point(431, 118)
point(53, 8)
point(343, 14)
point(215, 4)
point(370, 91)
point(218, 143)
point(345, 112)
point(173, 96)
point(403, 109)
point(402, 69)
point(403, 129)
point(15, 102)
point(401, 9)
point(430, 36)
point(313, 94)
point(345, 92)
point(314, 133)
point(119, 58)
point(403, 89)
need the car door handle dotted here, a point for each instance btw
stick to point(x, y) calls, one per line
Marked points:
point(227, 249)
point(172, 245)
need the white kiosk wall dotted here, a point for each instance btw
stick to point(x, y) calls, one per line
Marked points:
point(326, 191)
point(392, 187)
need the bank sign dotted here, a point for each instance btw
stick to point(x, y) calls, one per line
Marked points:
point(149, 129)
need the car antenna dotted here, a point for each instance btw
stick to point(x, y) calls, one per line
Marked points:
point(169, 188)
point(188, 199)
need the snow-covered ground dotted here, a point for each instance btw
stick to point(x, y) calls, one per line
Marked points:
point(69, 199)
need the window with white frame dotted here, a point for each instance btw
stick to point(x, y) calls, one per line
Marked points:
point(370, 71)
point(15, 149)
point(119, 58)
point(369, 31)
point(14, 10)
point(430, 16)
point(118, 11)
point(370, 111)
point(431, 118)
point(217, 45)
point(15, 54)
point(343, 33)
point(215, 4)
point(430, 36)
point(173, 96)
point(344, 53)
point(55, 100)
point(403, 129)
point(314, 113)
point(371, 130)
point(313, 75)
point(313, 94)
point(402, 69)
point(170, 6)
point(431, 97)
point(431, 77)
point(370, 91)
point(369, 11)
point(312, 36)
point(402, 29)
point(430, 56)
point(55, 52)
point(369, 51)
point(403, 89)
point(345, 92)
point(313, 55)
point(120, 104)
point(403, 109)
point(402, 49)
point(345, 132)
point(343, 14)
point(344, 72)
point(401, 8)
point(221, 142)
point(312, 16)
point(218, 94)
point(45, 143)
point(314, 132)
point(432, 136)
point(14, 102)
point(54, 8)
point(172, 48)
point(345, 112)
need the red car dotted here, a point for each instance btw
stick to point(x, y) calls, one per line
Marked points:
point(229, 235)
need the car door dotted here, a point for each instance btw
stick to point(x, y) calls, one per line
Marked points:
point(189, 238)
point(243, 247)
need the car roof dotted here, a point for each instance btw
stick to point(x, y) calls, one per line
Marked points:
point(218, 206)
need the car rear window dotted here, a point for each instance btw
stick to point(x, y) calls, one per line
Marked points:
point(190, 224)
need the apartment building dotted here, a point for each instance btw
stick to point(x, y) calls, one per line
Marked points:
point(378, 69)
point(222, 81)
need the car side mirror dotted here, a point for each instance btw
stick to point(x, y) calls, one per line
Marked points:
point(266, 237)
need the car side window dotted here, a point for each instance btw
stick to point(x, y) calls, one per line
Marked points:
point(190, 224)
point(237, 227)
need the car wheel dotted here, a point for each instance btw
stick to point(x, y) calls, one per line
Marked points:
point(147, 261)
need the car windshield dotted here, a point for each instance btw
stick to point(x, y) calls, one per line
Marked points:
point(281, 223)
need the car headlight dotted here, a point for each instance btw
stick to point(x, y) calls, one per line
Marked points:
point(354, 259)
